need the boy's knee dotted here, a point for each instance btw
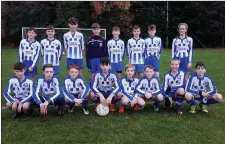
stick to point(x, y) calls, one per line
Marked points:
point(9, 105)
point(188, 96)
point(14, 107)
point(180, 91)
point(92, 95)
point(160, 97)
point(219, 97)
point(125, 101)
point(26, 106)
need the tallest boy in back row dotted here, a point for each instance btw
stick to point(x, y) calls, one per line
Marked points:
point(74, 45)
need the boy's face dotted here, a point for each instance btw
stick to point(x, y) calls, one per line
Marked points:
point(73, 27)
point(136, 32)
point(19, 73)
point(130, 72)
point(174, 65)
point(152, 32)
point(116, 33)
point(50, 33)
point(182, 30)
point(48, 73)
point(31, 34)
point(96, 31)
point(105, 68)
point(149, 72)
point(73, 72)
point(200, 71)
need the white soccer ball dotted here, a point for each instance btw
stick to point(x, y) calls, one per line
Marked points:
point(102, 110)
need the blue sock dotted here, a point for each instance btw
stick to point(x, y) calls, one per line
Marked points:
point(203, 100)
point(179, 101)
point(156, 103)
point(211, 101)
point(84, 103)
point(192, 102)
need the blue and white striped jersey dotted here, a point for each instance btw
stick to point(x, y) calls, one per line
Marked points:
point(128, 87)
point(204, 84)
point(51, 51)
point(148, 85)
point(50, 90)
point(182, 47)
point(22, 90)
point(136, 50)
point(74, 44)
point(72, 87)
point(108, 84)
point(29, 51)
point(175, 82)
point(116, 50)
point(153, 47)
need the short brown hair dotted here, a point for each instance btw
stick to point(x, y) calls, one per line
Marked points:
point(47, 66)
point(135, 27)
point(174, 59)
point(32, 29)
point(115, 28)
point(149, 66)
point(129, 66)
point(152, 27)
point(50, 27)
point(73, 21)
point(95, 25)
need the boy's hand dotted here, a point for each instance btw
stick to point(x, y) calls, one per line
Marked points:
point(19, 108)
point(109, 99)
point(133, 102)
point(189, 65)
point(30, 69)
point(78, 101)
point(204, 94)
point(148, 95)
point(43, 108)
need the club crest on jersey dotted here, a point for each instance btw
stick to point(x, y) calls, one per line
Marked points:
point(111, 79)
point(25, 85)
point(156, 41)
point(205, 83)
point(34, 45)
point(54, 43)
point(179, 77)
point(53, 84)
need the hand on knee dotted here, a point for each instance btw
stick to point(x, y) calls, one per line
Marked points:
point(180, 91)
point(188, 96)
point(160, 97)
point(219, 98)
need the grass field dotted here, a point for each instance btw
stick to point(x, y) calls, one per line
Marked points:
point(143, 127)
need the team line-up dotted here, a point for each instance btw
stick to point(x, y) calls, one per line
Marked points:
point(105, 63)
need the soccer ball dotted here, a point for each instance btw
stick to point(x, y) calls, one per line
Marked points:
point(102, 110)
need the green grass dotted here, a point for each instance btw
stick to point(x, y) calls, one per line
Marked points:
point(143, 127)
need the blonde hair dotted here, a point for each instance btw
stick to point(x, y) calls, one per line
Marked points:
point(129, 66)
point(174, 59)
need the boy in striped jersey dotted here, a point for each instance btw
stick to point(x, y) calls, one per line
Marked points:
point(75, 90)
point(136, 48)
point(173, 85)
point(74, 45)
point(48, 91)
point(105, 86)
point(201, 87)
point(116, 52)
point(51, 50)
point(153, 49)
point(149, 88)
point(29, 51)
point(22, 88)
point(182, 48)
point(128, 84)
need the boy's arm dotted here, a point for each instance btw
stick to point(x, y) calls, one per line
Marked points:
point(189, 86)
point(128, 48)
point(85, 90)
point(94, 84)
point(138, 88)
point(117, 89)
point(108, 49)
point(66, 92)
point(58, 91)
point(65, 42)
point(42, 49)
point(143, 48)
point(123, 50)
point(173, 48)
point(7, 95)
point(87, 54)
point(164, 85)
point(105, 48)
point(60, 50)
point(160, 45)
point(27, 99)
point(37, 90)
point(36, 57)
point(212, 87)
point(158, 88)
point(21, 51)
point(190, 50)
